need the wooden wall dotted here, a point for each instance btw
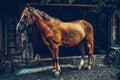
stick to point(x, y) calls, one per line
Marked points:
point(0, 34)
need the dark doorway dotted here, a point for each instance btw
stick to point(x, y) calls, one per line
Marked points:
point(100, 22)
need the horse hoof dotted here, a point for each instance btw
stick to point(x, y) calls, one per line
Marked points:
point(80, 67)
point(89, 67)
point(57, 73)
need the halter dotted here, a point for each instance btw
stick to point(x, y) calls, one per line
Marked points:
point(27, 27)
point(26, 24)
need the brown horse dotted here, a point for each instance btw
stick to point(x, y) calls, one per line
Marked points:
point(56, 33)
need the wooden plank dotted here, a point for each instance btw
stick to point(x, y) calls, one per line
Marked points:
point(39, 69)
point(79, 5)
point(6, 35)
point(68, 57)
point(45, 61)
point(113, 29)
point(0, 35)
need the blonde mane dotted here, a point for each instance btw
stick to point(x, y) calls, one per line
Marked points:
point(46, 16)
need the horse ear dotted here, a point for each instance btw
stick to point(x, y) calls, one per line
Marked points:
point(28, 6)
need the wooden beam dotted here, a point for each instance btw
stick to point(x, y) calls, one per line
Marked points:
point(39, 69)
point(0, 35)
point(79, 5)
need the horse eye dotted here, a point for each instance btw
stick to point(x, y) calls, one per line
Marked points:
point(25, 17)
point(31, 16)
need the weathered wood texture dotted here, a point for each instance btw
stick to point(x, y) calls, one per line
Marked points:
point(114, 28)
point(78, 5)
point(1, 46)
point(0, 35)
point(73, 60)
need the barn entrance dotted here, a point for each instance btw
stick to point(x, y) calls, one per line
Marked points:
point(101, 21)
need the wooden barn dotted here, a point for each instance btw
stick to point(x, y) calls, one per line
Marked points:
point(106, 28)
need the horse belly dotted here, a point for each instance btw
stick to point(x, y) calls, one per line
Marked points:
point(71, 38)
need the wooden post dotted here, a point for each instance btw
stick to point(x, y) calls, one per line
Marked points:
point(7, 57)
point(113, 30)
point(1, 45)
point(118, 29)
point(113, 40)
point(7, 62)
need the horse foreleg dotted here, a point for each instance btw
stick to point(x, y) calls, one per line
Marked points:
point(53, 58)
point(81, 48)
point(50, 46)
point(55, 54)
point(90, 46)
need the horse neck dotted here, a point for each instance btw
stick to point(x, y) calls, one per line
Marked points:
point(41, 24)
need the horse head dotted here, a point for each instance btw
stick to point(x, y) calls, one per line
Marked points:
point(26, 20)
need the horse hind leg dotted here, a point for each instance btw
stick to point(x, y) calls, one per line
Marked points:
point(90, 46)
point(81, 48)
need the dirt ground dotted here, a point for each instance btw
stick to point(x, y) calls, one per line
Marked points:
point(99, 71)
